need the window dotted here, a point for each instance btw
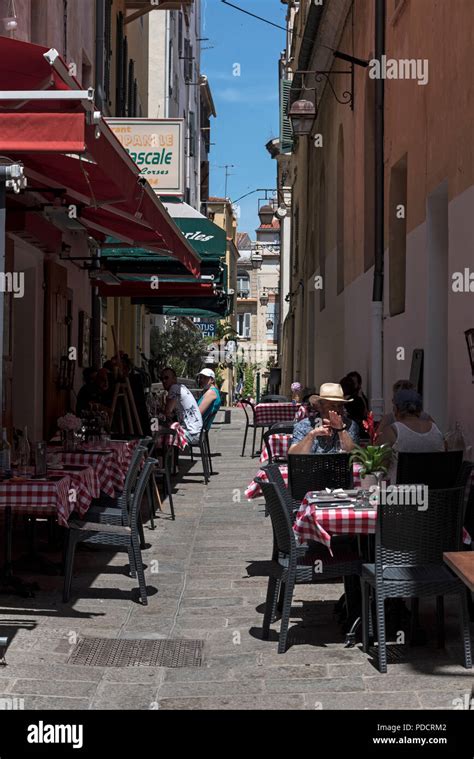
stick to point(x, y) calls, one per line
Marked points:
point(108, 50)
point(322, 239)
point(340, 212)
point(180, 33)
point(369, 175)
point(243, 325)
point(398, 236)
point(243, 285)
point(272, 317)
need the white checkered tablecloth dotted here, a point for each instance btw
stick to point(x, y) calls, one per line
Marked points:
point(279, 445)
point(39, 497)
point(267, 414)
point(254, 490)
point(319, 524)
point(85, 484)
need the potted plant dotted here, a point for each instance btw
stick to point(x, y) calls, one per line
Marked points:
point(374, 461)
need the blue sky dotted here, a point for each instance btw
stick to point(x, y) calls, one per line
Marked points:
point(246, 105)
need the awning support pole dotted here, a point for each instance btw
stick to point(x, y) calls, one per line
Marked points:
point(8, 173)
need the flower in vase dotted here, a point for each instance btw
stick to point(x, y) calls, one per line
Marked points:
point(69, 423)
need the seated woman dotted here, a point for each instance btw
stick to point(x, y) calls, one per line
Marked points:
point(210, 401)
point(410, 432)
point(389, 419)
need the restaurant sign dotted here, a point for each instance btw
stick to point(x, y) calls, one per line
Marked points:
point(157, 147)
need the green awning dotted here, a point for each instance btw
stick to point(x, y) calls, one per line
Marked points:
point(208, 240)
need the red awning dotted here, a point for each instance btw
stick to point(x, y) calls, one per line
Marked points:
point(63, 150)
point(131, 289)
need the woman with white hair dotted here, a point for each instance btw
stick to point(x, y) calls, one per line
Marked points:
point(410, 433)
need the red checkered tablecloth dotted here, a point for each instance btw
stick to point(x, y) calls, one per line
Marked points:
point(85, 485)
point(254, 490)
point(316, 524)
point(279, 445)
point(179, 441)
point(267, 414)
point(39, 497)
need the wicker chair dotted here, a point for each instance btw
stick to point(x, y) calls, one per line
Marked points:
point(267, 443)
point(291, 564)
point(318, 471)
point(125, 536)
point(437, 470)
point(276, 478)
point(118, 511)
point(409, 546)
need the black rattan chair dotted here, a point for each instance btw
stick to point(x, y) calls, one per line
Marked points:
point(437, 470)
point(117, 510)
point(409, 546)
point(267, 443)
point(292, 564)
point(276, 478)
point(125, 536)
point(311, 471)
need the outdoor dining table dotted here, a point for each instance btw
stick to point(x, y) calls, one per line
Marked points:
point(109, 464)
point(254, 490)
point(267, 414)
point(317, 522)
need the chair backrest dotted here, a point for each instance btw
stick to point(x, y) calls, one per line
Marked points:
point(249, 410)
point(408, 535)
point(148, 443)
point(283, 534)
point(273, 399)
point(137, 497)
point(316, 471)
point(437, 469)
point(463, 480)
point(132, 473)
point(276, 478)
point(270, 444)
point(283, 428)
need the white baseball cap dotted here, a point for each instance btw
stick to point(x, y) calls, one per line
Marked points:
point(207, 373)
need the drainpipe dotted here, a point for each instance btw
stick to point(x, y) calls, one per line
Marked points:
point(96, 305)
point(377, 295)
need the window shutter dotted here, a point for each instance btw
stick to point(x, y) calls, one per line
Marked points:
point(247, 325)
point(286, 132)
point(192, 134)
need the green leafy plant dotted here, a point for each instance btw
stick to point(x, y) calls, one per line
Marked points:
point(374, 458)
point(249, 381)
point(179, 347)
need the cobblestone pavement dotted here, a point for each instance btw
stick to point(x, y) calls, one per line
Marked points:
point(201, 590)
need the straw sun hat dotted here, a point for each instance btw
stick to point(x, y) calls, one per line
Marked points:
point(331, 391)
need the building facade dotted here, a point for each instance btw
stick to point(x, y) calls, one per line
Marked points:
point(429, 203)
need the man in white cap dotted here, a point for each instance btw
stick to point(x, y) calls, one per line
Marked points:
point(330, 432)
point(210, 401)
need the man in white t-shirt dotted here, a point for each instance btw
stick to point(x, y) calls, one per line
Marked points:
point(181, 400)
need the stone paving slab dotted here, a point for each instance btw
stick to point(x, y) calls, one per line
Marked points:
point(201, 590)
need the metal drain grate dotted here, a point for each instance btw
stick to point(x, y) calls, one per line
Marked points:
point(112, 652)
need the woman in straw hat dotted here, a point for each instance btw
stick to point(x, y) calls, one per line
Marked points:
point(330, 432)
